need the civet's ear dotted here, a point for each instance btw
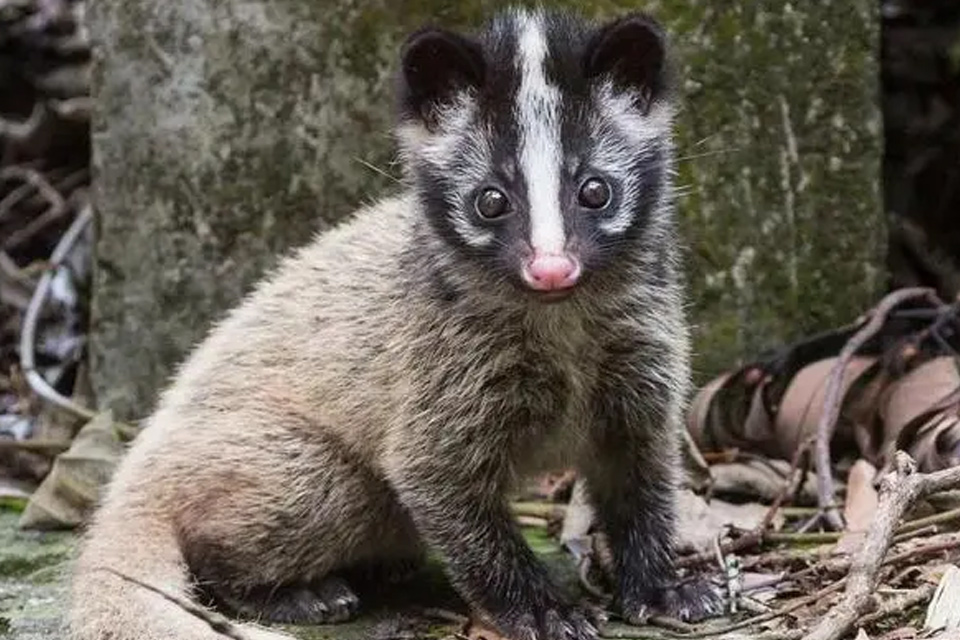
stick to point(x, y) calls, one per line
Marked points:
point(630, 51)
point(436, 65)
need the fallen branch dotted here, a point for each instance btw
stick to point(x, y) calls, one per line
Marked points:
point(899, 490)
point(833, 399)
point(32, 317)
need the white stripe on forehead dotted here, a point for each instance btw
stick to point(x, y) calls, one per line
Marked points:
point(541, 150)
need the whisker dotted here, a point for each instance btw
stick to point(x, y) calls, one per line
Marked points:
point(376, 169)
point(707, 154)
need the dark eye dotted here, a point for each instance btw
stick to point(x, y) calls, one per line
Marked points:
point(594, 193)
point(492, 203)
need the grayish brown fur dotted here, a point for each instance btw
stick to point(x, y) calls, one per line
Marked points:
point(378, 391)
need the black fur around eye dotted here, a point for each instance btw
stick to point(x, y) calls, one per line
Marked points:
point(492, 203)
point(594, 193)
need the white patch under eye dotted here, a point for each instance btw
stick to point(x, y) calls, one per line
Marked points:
point(621, 132)
point(472, 235)
point(460, 149)
point(541, 150)
point(469, 170)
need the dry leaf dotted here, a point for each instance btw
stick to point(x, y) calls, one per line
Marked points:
point(731, 413)
point(943, 613)
point(476, 630)
point(915, 393)
point(860, 506)
point(699, 523)
point(761, 480)
point(78, 475)
point(916, 414)
point(579, 516)
point(802, 402)
point(699, 411)
point(936, 444)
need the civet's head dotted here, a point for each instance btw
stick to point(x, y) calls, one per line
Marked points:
point(541, 147)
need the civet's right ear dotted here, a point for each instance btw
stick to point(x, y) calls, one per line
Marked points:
point(436, 65)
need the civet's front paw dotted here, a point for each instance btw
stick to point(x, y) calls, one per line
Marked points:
point(690, 601)
point(555, 623)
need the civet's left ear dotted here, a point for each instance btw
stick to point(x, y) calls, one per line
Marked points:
point(631, 51)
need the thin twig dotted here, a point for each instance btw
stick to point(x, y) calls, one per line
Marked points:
point(758, 535)
point(899, 490)
point(833, 398)
point(922, 532)
point(749, 622)
point(793, 476)
point(532, 521)
point(939, 518)
point(815, 537)
point(32, 179)
point(583, 574)
point(748, 540)
point(10, 270)
point(219, 623)
point(772, 615)
point(443, 614)
point(671, 624)
point(24, 130)
point(944, 542)
point(545, 510)
point(32, 317)
point(899, 604)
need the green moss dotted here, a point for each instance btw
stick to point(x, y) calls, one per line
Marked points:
point(32, 580)
point(539, 541)
point(12, 566)
point(25, 553)
point(11, 503)
point(261, 129)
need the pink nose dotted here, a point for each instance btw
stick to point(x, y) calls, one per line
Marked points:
point(551, 272)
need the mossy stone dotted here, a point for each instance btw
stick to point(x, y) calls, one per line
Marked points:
point(229, 131)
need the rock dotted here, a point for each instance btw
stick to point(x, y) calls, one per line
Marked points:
point(33, 571)
point(34, 574)
point(783, 131)
point(229, 131)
